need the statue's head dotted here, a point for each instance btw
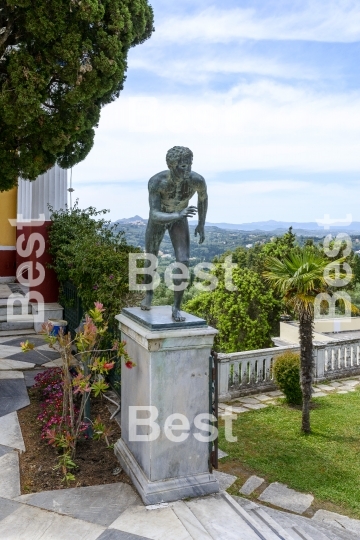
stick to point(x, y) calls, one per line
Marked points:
point(179, 160)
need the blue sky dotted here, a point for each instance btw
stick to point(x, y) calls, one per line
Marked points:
point(266, 94)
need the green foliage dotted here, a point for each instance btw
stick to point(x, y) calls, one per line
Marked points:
point(87, 251)
point(287, 376)
point(61, 61)
point(243, 316)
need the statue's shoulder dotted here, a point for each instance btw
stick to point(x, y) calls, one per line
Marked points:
point(158, 181)
point(197, 179)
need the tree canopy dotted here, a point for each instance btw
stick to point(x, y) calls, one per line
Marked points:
point(61, 61)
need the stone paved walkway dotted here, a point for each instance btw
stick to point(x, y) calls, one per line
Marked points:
point(115, 511)
point(261, 401)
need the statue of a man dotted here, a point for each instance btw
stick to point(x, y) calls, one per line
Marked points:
point(169, 195)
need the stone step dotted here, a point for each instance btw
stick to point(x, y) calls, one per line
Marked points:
point(11, 326)
point(10, 333)
point(296, 526)
point(224, 519)
point(15, 310)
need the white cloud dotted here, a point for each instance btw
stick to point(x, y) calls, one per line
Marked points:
point(201, 67)
point(325, 20)
point(255, 126)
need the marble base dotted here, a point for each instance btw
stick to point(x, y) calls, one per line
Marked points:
point(168, 490)
point(172, 377)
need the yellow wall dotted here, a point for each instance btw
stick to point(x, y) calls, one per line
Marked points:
point(8, 210)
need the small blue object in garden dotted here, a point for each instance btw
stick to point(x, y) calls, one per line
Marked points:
point(57, 325)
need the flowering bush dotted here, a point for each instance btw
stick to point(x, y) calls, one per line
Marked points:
point(65, 411)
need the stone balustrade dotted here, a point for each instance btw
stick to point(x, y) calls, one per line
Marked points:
point(251, 372)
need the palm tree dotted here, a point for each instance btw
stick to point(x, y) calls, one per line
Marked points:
point(299, 278)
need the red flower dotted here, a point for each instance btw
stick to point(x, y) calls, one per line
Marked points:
point(129, 364)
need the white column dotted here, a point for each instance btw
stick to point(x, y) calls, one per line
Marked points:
point(24, 199)
point(49, 189)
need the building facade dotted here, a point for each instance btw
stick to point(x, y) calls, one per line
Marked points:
point(24, 223)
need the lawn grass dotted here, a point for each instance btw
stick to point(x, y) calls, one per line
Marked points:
point(325, 463)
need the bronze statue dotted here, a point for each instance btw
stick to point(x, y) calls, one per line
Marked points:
point(169, 195)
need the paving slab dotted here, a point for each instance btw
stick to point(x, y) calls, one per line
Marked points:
point(6, 351)
point(4, 374)
point(113, 534)
point(153, 524)
point(276, 393)
point(239, 410)
point(338, 520)
point(11, 404)
point(6, 364)
point(96, 504)
point(251, 484)
point(53, 363)
point(10, 432)
point(255, 407)
point(249, 400)
point(34, 357)
point(222, 454)
point(15, 342)
point(13, 396)
point(284, 497)
point(342, 392)
point(7, 507)
point(9, 475)
point(320, 394)
point(263, 397)
point(29, 523)
point(30, 376)
point(5, 450)
point(351, 383)
point(190, 522)
point(225, 480)
point(326, 387)
point(335, 384)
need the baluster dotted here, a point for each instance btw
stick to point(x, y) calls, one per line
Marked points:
point(236, 374)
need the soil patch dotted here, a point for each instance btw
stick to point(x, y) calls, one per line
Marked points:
point(96, 463)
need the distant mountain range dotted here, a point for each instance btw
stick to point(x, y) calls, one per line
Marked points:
point(267, 226)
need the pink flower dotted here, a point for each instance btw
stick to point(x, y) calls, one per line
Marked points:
point(109, 366)
point(99, 306)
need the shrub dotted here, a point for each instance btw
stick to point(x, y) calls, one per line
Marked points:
point(92, 254)
point(287, 376)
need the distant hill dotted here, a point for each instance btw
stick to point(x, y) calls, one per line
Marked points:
point(267, 226)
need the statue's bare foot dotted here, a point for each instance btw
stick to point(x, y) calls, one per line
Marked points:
point(176, 315)
point(146, 303)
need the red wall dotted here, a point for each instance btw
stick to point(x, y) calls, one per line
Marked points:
point(7, 263)
point(49, 288)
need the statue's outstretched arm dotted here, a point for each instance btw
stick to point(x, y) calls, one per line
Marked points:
point(166, 217)
point(202, 208)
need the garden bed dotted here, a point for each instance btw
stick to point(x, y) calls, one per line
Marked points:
point(96, 463)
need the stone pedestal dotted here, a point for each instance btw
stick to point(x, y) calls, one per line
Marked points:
point(171, 376)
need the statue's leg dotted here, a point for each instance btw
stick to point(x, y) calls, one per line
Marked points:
point(180, 238)
point(153, 237)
